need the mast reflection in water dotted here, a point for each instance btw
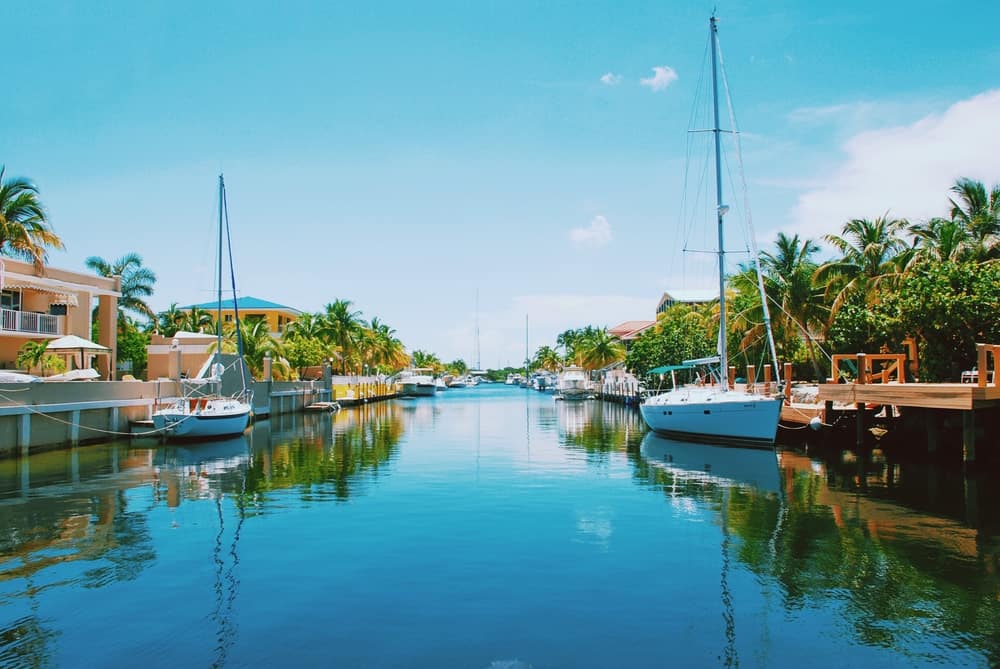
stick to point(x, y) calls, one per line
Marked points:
point(489, 527)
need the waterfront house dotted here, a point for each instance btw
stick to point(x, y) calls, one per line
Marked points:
point(691, 297)
point(46, 303)
point(252, 309)
point(629, 331)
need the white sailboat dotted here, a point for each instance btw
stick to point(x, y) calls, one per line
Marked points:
point(204, 416)
point(715, 413)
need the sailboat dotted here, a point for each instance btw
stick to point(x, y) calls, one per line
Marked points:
point(715, 413)
point(205, 416)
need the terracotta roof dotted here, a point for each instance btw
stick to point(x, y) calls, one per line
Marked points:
point(630, 329)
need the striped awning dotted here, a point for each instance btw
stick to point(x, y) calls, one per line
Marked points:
point(64, 293)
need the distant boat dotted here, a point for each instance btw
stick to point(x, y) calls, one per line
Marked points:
point(714, 413)
point(198, 415)
point(440, 385)
point(573, 384)
point(458, 382)
point(417, 382)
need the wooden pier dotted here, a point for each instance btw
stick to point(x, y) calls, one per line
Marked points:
point(881, 380)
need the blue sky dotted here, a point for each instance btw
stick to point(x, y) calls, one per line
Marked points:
point(406, 155)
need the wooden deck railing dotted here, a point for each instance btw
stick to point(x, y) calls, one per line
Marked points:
point(872, 367)
point(986, 361)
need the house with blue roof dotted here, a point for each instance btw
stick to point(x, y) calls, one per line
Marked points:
point(252, 309)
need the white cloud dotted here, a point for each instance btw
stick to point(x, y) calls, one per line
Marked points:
point(597, 233)
point(906, 170)
point(662, 77)
point(611, 79)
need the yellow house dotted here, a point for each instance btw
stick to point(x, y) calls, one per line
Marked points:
point(46, 303)
point(277, 316)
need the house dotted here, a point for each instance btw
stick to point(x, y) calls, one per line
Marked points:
point(47, 303)
point(692, 297)
point(252, 309)
point(628, 331)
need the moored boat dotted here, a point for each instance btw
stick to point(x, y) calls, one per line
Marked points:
point(715, 413)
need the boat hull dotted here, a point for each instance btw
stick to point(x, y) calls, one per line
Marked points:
point(216, 418)
point(413, 389)
point(732, 418)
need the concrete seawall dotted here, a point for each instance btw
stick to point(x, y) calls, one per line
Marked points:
point(40, 416)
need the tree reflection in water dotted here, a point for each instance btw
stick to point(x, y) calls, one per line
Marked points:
point(922, 585)
point(321, 465)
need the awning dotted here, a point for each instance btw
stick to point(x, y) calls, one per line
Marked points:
point(64, 291)
point(669, 368)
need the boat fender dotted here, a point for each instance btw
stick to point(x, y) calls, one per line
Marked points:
point(816, 423)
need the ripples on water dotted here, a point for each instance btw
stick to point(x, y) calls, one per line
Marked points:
point(490, 527)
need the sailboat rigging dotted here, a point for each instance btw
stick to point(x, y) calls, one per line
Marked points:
point(716, 413)
point(195, 415)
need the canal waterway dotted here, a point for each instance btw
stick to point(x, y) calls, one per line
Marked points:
point(490, 528)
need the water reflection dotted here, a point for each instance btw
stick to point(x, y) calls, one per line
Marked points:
point(902, 556)
point(924, 586)
point(599, 428)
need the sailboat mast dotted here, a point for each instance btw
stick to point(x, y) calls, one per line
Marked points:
point(720, 210)
point(218, 311)
point(477, 330)
point(526, 347)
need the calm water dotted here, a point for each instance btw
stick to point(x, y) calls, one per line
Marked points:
point(490, 527)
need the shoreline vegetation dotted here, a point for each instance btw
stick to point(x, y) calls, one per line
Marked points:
point(937, 281)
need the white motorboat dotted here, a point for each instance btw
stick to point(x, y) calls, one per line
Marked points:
point(417, 382)
point(715, 413)
point(203, 415)
point(573, 384)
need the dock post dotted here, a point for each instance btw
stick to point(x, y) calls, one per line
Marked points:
point(751, 377)
point(787, 372)
point(931, 424)
point(24, 434)
point(969, 436)
point(767, 379)
point(74, 427)
point(732, 377)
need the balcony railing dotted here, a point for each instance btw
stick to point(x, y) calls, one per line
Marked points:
point(29, 321)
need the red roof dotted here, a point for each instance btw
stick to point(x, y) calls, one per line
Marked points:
point(630, 329)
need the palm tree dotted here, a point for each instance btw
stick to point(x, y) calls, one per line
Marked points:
point(979, 213)
point(169, 322)
point(873, 256)
point(257, 341)
point(389, 354)
point(940, 240)
point(32, 354)
point(342, 328)
point(547, 358)
point(790, 285)
point(596, 348)
point(24, 226)
point(137, 281)
point(306, 326)
point(427, 360)
point(198, 320)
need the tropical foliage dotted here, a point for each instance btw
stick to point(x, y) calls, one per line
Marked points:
point(137, 281)
point(24, 226)
point(937, 281)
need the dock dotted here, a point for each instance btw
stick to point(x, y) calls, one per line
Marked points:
point(881, 380)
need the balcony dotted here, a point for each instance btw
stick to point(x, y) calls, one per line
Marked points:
point(29, 322)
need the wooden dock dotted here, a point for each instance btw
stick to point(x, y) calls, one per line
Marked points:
point(881, 380)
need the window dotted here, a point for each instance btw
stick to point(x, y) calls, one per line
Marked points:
point(11, 299)
point(57, 309)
